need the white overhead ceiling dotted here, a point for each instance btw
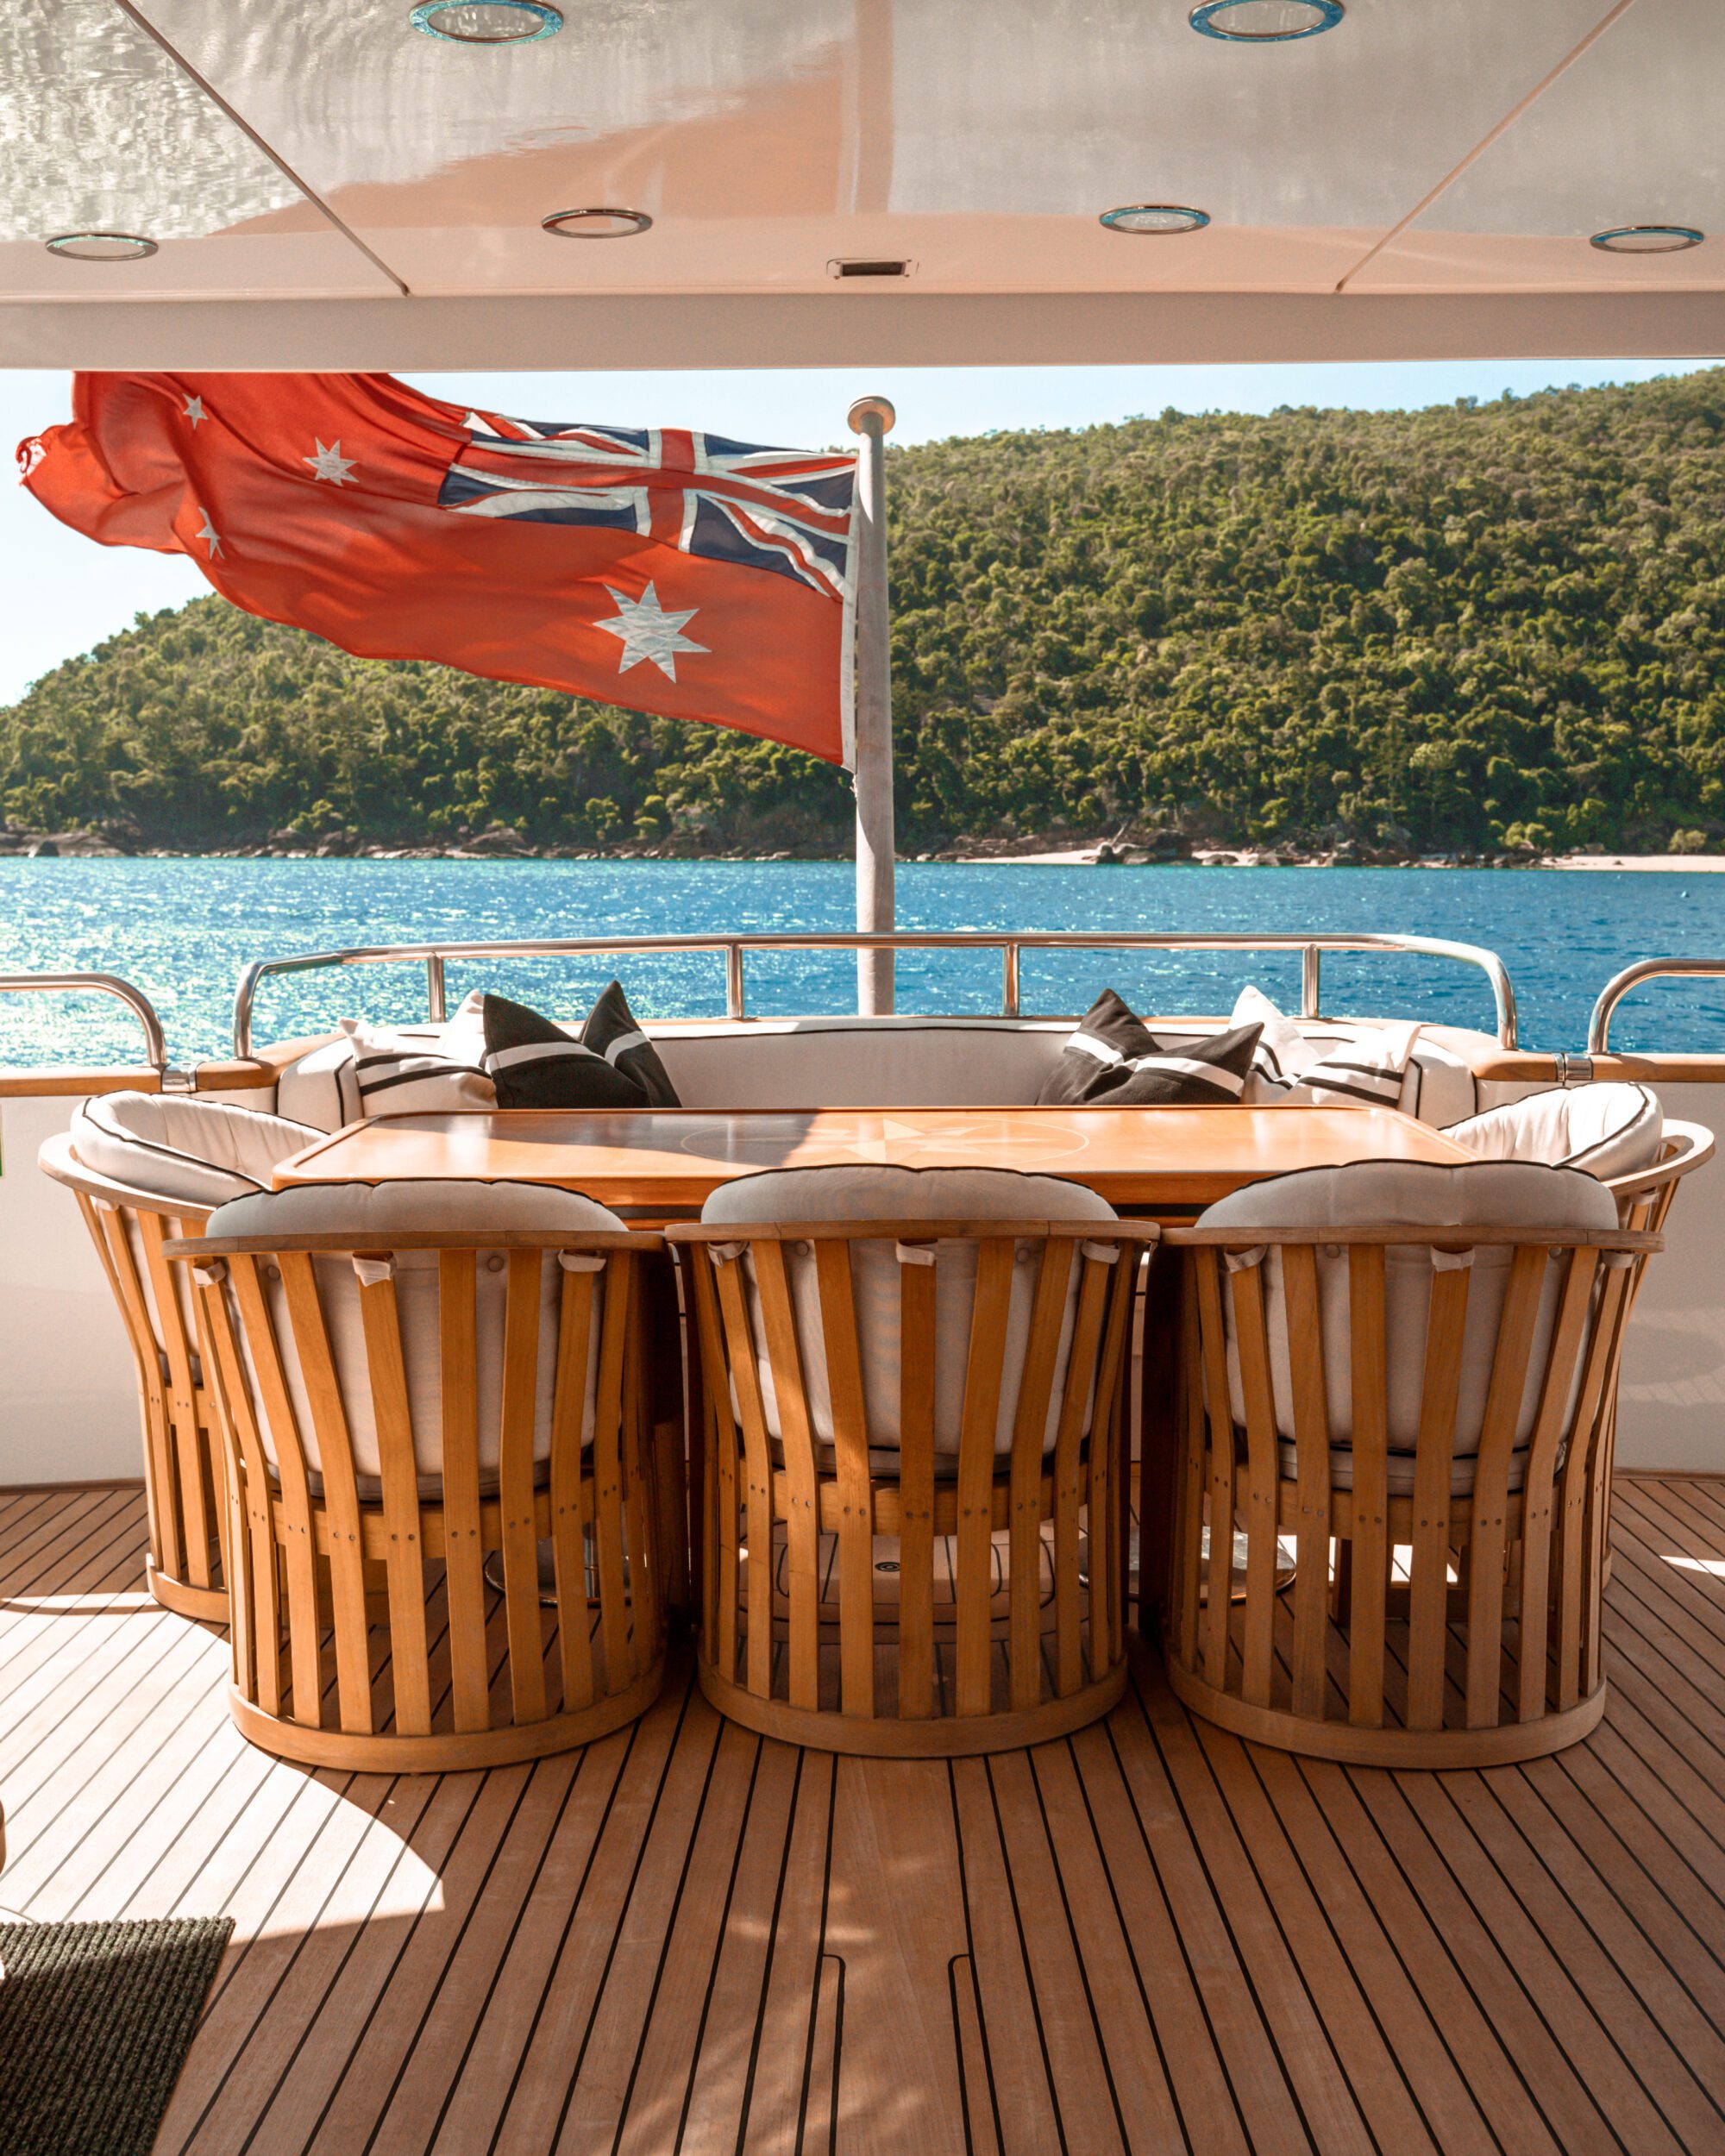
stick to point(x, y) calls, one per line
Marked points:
point(332, 187)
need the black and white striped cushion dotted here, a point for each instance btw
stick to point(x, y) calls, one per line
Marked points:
point(1113, 1061)
point(535, 1063)
point(1365, 1068)
point(388, 1075)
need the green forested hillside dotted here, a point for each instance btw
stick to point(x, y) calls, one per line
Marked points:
point(1468, 627)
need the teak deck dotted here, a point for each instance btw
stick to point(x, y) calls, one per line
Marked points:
point(664, 1164)
point(1148, 1937)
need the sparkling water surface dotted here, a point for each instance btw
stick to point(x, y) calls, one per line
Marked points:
point(184, 931)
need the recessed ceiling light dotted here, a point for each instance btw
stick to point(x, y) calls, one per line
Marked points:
point(101, 247)
point(1266, 21)
point(1151, 217)
point(597, 225)
point(486, 22)
point(1647, 239)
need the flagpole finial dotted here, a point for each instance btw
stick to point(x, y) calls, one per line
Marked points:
point(878, 410)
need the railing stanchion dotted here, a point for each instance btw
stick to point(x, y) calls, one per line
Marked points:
point(1311, 964)
point(1009, 989)
point(436, 1005)
point(733, 981)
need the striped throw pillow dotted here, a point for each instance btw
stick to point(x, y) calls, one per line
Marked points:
point(389, 1074)
point(1367, 1068)
point(1113, 1061)
point(536, 1063)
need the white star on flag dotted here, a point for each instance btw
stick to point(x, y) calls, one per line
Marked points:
point(649, 631)
point(329, 464)
point(194, 412)
point(208, 532)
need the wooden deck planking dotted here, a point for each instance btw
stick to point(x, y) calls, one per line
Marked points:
point(1148, 1937)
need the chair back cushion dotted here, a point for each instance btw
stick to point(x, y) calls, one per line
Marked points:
point(905, 1193)
point(1609, 1130)
point(371, 1214)
point(1425, 1197)
point(199, 1152)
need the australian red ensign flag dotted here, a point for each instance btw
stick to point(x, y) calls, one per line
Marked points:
point(673, 572)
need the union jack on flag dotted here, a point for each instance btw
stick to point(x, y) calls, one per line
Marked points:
point(785, 511)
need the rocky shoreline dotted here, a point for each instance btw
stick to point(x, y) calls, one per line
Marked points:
point(1161, 849)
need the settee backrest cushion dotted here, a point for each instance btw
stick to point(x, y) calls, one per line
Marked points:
point(371, 1213)
point(904, 1193)
point(852, 1063)
point(1609, 1130)
point(200, 1153)
point(1424, 1196)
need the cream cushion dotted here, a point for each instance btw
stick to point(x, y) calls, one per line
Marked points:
point(905, 1193)
point(200, 1152)
point(1424, 1196)
point(370, 1214)
point(1609, 1130)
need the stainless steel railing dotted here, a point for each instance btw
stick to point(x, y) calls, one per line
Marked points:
point(104, 984)
point(1599, 1025)
point(733, 950)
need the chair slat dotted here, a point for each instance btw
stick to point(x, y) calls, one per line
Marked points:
point(1593, 1468)
point(796, 1438)
point(253, 1586)
point(568, 1415)
point(646, 1529)
point(463, 1545)
point(725, 1504)
point(1434, 1451)
point(1106, 1524)
point(995, 1258)
point(1369, 1543)
point(1036, 1389)
point(1220, 1419)
point(305, 1319)
point(1487, 1529)
point(168, 1549)
point(1263, 1470)
point(916, 1490)
point(1568, 1343)
point(516, 1474)
point(745, 1373)
point(609, 1405)
point(1308, 1386)
point(1188, 1492)
point(153, 1229)
point(850, 1468)
point(404, 1551)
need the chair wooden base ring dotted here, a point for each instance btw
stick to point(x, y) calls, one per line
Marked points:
point(207, 1604)
point(1506, 1745)
point(445, 1754)
point(930, 1736)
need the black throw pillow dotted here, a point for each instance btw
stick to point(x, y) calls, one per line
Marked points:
point(535, 1063)
point(1113, 1061)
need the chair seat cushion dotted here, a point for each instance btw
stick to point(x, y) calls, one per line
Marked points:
point(201, 1153)
point(1609, 1130)
point(370, 1214)
point(904, 1193)
point(1424, 1197)
point(1113, 1061)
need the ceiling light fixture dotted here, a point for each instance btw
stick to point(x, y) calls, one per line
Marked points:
point(597, 225)
point(486, 22)
point(1154, 218)
point(101, 247)
point(1265, 21)
point(1646, 239)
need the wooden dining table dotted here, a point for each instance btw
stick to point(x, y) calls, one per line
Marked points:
point(655, 1166)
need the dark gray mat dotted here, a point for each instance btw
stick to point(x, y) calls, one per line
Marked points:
point(96, 2021)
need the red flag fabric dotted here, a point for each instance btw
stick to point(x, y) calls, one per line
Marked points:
point(677, 572)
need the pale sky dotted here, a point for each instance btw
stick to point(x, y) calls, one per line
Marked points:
point(64, 594)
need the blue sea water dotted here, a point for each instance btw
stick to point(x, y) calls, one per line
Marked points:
point(182, 930)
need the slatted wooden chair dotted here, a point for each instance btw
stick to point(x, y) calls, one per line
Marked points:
point(914, 1496)
point(145, 1169)
point(1408, 1372)
point(398, 1399)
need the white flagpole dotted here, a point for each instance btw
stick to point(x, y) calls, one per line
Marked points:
point(872, 417)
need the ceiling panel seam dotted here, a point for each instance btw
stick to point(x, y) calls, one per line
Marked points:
point(310, 193)
point(1484, 143)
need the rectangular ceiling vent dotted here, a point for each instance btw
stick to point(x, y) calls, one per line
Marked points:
point(869, 265)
